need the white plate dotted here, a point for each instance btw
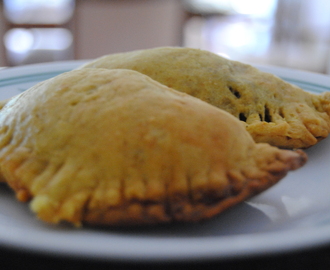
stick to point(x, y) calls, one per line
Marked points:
point(293, 215)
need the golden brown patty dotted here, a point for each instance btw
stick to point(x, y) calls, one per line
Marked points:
point(274, 111)
point(115, 147)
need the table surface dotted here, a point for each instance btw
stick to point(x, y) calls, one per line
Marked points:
point(308, 259)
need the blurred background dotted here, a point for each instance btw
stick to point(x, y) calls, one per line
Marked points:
point(288, 33)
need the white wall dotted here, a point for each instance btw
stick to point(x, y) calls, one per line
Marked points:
point(104, 26)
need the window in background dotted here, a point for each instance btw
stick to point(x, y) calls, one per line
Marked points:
point(38, 31)
point(237, 29)
point(39, 11)
point(289, 33)
point(36, 45)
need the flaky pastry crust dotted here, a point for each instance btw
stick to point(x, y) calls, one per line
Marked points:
point(273, 110)
point(114, 147)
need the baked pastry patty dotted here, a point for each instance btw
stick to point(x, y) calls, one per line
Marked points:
point(273, 110)
point(114, 147)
